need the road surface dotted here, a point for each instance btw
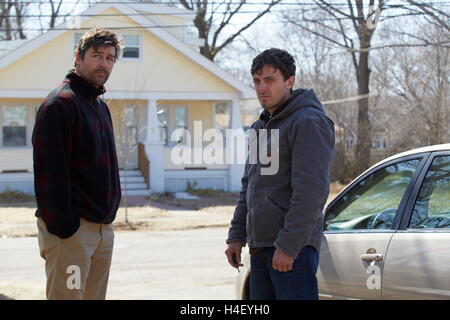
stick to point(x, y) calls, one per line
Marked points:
point(167, 265)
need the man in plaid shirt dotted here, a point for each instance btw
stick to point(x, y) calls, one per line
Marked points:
point(76, 174)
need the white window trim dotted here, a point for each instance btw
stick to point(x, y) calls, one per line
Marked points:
point(141, 47)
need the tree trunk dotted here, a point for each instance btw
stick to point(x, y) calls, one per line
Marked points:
point(19, 21)
point(8, 32)
point(364, 136)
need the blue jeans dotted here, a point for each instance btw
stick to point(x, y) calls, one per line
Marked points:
point(300, 283)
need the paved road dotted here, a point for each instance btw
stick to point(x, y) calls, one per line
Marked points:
point(146, 265)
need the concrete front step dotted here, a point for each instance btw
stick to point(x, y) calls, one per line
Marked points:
point(133, 179)
point(140, 192)
point(135, 183)
point(130, 173)
point(133, 186)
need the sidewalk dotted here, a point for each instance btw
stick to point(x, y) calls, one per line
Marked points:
point(143, 215)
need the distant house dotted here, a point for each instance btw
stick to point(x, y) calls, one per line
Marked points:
point(161, 83)
point(380, 140)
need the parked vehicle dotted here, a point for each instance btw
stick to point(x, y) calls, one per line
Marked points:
point(387, 234)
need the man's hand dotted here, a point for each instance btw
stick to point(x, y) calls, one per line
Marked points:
point(281, 261)
point(234, 249)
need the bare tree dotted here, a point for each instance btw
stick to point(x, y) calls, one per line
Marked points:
point(11, 21)
point(55, 7)
point(127, 146)
point(420, 79)
point(47, 14)
point(213, 21)
point(340, 26)
point(5, 21)
point(352, 27)
point(432, 11)
point(20, 8)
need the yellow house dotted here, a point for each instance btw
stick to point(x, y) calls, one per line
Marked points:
point(161, 83)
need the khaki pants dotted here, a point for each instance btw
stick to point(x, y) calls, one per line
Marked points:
point(77, 268)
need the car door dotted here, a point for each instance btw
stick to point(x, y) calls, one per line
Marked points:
point(418, 261)
point(359, 224)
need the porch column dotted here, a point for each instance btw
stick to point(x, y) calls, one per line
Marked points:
point(154, 148)
point(236, 169)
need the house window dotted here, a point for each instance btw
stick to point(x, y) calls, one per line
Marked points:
point(379, 143)
point(14, 126)
point(170, 119)
point(222, 116)
point(132, 46)
point(349, 143)
point(163, 123)
point(181, 123)
point(130, 51)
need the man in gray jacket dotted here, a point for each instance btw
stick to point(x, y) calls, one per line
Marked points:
point(279, 215)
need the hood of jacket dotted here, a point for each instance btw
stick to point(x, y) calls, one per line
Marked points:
point(300, 98)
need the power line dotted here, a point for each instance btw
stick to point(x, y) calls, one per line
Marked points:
point(399, 3)
point(163, 26)
point(312, 6)
point(157, 14)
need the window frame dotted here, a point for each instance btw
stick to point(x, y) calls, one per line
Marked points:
point(223, 130)
point(30, 114)
point(423, 157)
point(349, 143)
point(409, 207)
point(140, 47)
point(379, 142)
point(214, 113)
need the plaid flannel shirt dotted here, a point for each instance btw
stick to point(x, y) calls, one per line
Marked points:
point(74, 158)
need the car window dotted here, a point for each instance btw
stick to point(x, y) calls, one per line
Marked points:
point(373, 202)
point(432, 207)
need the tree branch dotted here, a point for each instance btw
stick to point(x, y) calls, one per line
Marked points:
point(231, 38)
point(427, 8)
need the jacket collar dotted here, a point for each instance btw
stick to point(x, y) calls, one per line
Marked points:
point(266, 116)
point(82, 87)
point(300, 98)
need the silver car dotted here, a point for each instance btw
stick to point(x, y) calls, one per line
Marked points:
point(387, 234)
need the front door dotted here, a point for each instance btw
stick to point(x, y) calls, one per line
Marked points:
point(359, 225)
point(417, 264)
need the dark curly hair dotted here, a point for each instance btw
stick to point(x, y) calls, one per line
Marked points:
point(98, 37)
point(277, 58)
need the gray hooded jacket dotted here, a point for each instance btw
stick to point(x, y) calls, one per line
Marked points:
point(284, 210)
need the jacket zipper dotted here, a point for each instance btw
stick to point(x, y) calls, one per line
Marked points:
point(97, 107)
point(252, 189)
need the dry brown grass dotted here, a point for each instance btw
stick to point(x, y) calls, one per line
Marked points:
point(160, 212)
